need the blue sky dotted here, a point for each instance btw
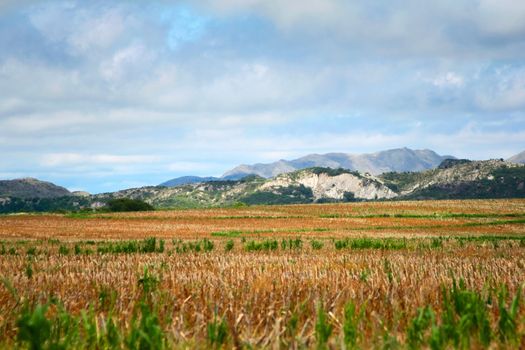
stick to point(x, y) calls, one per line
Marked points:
point(105, 95)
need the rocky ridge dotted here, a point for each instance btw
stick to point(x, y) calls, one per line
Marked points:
point(453, 179)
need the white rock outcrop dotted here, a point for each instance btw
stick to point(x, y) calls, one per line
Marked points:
point(334, 187)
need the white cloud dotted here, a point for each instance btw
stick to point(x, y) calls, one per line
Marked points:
point(501, 17)
point(98, 32)
point(446, 28)
point(503, 90)
point(124, 61)
point(85, 30)
point(114, 89)
point(74, 159)
point(449, 79)
point(189, 167)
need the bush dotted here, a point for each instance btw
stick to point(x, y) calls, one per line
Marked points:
point(63, 250)
point(316, 245)
point(229, 245)
point(127, 204)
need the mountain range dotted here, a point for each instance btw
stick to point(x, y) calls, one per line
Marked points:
point(451, 179)
point(400, 159)
point(518, 158)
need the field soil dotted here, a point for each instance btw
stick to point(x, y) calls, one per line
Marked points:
point(370, 275)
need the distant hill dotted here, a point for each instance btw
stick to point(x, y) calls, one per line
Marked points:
point(461, 179)
point(184, 180)
point(518, 158)
point(302, 186)
point(452, 179)
point(401, 159)
point(31, 188)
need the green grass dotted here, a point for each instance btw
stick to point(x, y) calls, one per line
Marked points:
point(232, 233)
point(423, 216)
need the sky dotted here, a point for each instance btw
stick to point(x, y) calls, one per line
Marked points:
point(106, 95)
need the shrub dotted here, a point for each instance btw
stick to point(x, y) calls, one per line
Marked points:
point(127, 204)
point(31, 251)
point(316, 245)
point(207, 245)
point(267, 244)
point(63, 250)
point(229, 245)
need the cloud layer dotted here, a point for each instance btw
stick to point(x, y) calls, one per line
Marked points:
point(100, 96)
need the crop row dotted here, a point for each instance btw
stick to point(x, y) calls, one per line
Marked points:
point(464, 318)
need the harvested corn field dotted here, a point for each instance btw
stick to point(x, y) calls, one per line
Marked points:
point(439, 274)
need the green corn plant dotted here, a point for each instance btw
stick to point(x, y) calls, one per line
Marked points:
point(64, 330)
point(418, 327)
point(323, 329)
point(34, 328)
point(291, 327)
point(507, 324)
point(146, 331)
point(387, 267)
point(464, 316)
point(352, 318)
point(148, 282)
point(437, 340)
point(436, 243)
point(89, 327)
point(217, 333)
point(296, 243)
point(29, 270)
point(390, 342)
point(77, 249)
point(31, 251)
point(229, 245)
point(207, 245)
point(316, 245)
point(448, 330)
point(112, 336)
point(472, 313)
point(149, 245)
point(63, 250)
point(162, 245)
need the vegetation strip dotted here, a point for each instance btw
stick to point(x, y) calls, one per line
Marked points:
point(237, 233)
point(422, 216)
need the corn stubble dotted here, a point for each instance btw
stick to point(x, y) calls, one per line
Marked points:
point(271, 290)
